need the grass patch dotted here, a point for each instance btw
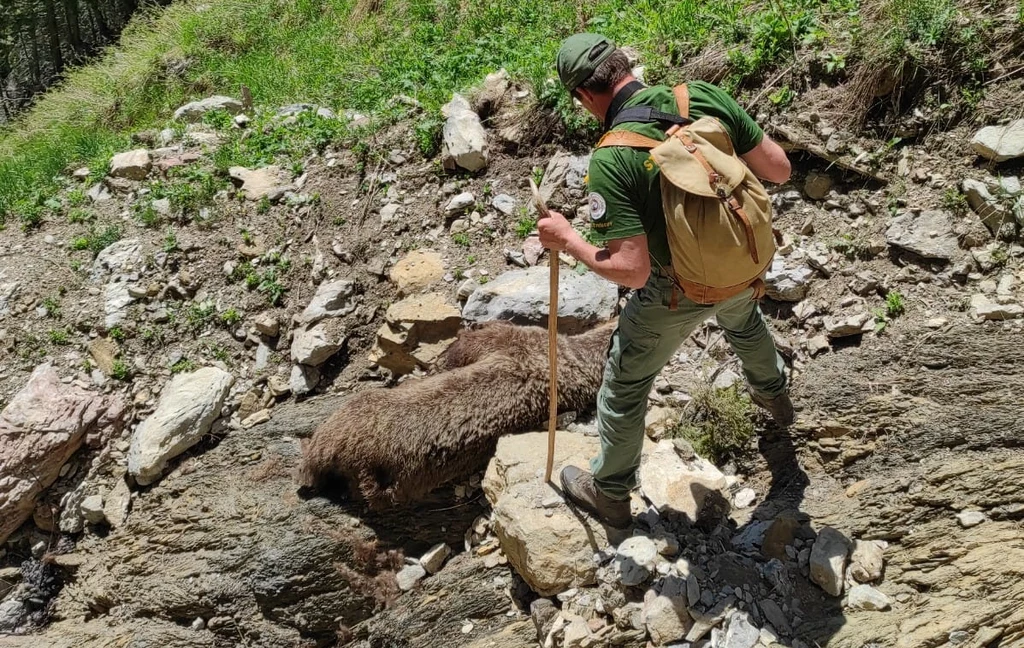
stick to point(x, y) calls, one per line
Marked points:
point(525, 226)
point(718, 423)
point(183, 365)
point(97, 240)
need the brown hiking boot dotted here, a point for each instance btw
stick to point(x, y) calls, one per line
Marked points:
point(780, 407)
point(581, 490)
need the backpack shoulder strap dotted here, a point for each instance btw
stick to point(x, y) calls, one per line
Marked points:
point(682, 94)
point(627, 138)
point(646, 115)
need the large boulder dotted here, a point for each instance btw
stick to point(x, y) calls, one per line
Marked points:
point(188, 406)
point(522, 297)
point(43, 425)
point(314, 344)
point(194, 111)
point(680, 486)
point(564, 174)
point(417, 270)
point(463, 138)
point(928, 234)
point(788, 282)
point(551, 546)
point(1000, 143)
point(133, 165)
point(415, 332)
point(334, 299)
point(268, 182)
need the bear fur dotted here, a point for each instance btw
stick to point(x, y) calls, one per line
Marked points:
point(389, 446)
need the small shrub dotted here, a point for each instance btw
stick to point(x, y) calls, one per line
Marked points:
point(895, 304)
point(59, 336)
point(218, 119)
point(198, 316)
point(76, 198)
point(271, 286)
point(183, 365)
point(116, 334)
point(96, 241)
point(955, 202)
point(146, 215)
point(525, 226)
point(170, 241)
point(150, 336)
point(428, 136)
point(461, 239)
point(52, 307)
point(78, 216)
point(718, 423)
point(230, 317)
point(120, 371)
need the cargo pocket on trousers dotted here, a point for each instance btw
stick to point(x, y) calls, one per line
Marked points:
point(634, 344)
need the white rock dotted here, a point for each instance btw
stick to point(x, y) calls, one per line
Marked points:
point(194, 111)
point(828, 560)
point(929, 234)
point(788, 282)
point(504, 203)
point(99, 193)
point(741, 633)
point(270, 182)
point(463, 138)
point(1000, 143)
point(677, 486)
point(433, 560)
point(120, 256)
point(982, 308)
point(970, 519)
point(461, 202)
point(636, 559)
point(408, 576)
point(333, 299)
point(744, 498)
point(188, 406)
point(865, 597)
point(268, 325)
point(134, 165)
point(388, 213)
point(665, 617)
point(867, 560)
point(522, 296)
point(314, 344)
point(837, 327)
point(117, 504)
point(92, 509)
point(551, 548)
point(116, 300)
point(303, 379)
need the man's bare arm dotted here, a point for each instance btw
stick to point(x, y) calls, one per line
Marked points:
point(768, 161)
point(623, 261)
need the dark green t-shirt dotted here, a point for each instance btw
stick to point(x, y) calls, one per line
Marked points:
point(624, 183)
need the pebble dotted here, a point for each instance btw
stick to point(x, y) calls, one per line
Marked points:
point(970, 519)
point(745, 498)
point(409, 576)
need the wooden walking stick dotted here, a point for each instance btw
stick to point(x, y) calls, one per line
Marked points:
point(543, 212)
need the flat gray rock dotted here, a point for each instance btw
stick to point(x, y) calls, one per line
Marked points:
point(1000, 143)
point(929, 234)
point(521, 296)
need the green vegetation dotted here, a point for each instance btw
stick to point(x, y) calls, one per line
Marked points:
point(955, 202)
point(895, 305)
point(525, 225)
point(183, 365)
point(117, 334)
point(717, 423)
point(52, 307)
point(96, 240)
point(230, 317)
point(851, 246)
point(199, 316)
point(120, 371)
point(78, 216)
point(59, 336)
point(461, 238)
point(170, 241)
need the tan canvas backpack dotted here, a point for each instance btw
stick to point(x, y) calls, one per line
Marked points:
point(718, 214)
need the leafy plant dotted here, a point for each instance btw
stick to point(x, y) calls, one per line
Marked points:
point(461, 238)
point(97, 240)
point(58, 336)
point(955, 201)
point(230, 317)
point(895, 304)
point(120, 371)
point(199, 316)
point(525, 226)
point(835, 62)
point(717, 422)
point(77, 216)
point(52, 307)
point(116, 334)
point(170, 241)
point(183, 365)
point(782, 97)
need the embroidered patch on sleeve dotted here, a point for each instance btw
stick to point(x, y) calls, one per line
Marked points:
point(598, 206)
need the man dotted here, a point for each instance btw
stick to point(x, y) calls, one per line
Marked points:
point(626, 214)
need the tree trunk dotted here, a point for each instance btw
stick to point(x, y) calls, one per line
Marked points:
point(73, 18)
point(32, 36)
point(99, 21)
point(53, 32)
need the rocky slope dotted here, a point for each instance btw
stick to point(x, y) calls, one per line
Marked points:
point(173, 331)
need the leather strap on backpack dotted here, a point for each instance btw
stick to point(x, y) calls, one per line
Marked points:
point(682, 94)
point(627, 138)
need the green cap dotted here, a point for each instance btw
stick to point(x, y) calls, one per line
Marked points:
point(579, 56)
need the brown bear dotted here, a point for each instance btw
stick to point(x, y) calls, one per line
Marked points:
point(396, 445)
